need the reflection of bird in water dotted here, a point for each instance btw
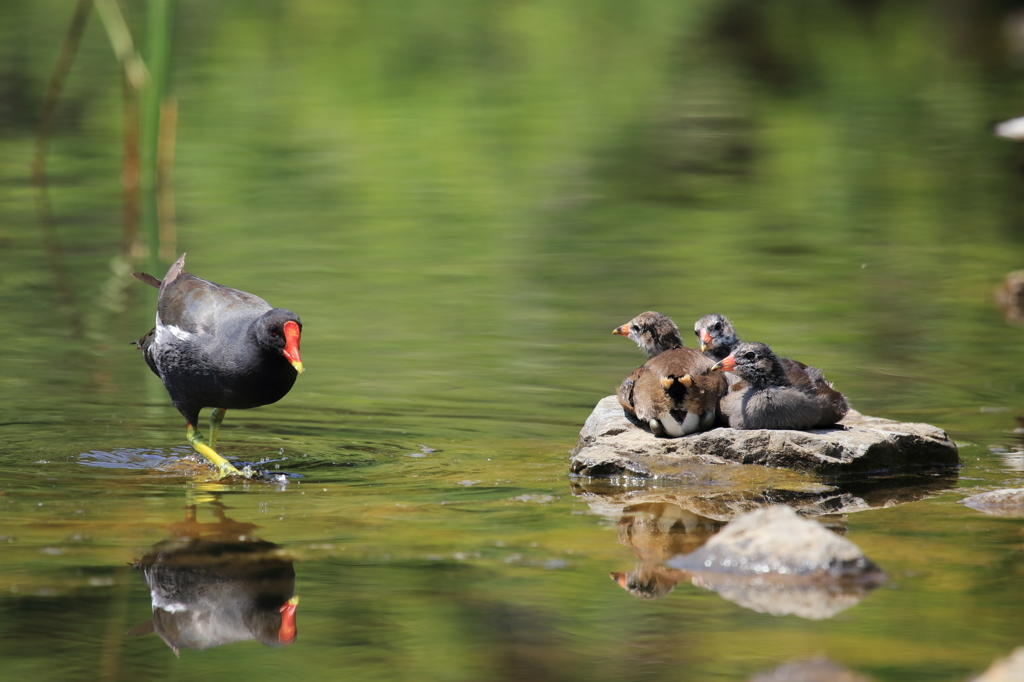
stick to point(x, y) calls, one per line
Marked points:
point(674, 393)
point(209, 591)
point(769, 400)
point(1010, 297)
point(218, 347)
point(657, 531)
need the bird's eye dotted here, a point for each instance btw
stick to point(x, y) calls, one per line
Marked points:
point(273, 333)
point(717, 326)
point(749, 355)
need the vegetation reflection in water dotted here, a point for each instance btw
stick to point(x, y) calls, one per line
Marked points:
point(460, 200)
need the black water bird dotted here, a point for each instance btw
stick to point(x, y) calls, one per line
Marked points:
point(218, 347)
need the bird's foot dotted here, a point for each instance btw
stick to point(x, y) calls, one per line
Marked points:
point(707, 420)
point(199, 444)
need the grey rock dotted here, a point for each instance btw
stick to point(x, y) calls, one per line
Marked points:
point(776, 540)
point(1005, 502)
point(813, 670)
point(1009, 669)
point(773, 561)
point(612, 445)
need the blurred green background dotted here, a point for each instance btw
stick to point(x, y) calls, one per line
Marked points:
point(461, 200)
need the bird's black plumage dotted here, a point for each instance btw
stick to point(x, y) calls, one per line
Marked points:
point(218, 347)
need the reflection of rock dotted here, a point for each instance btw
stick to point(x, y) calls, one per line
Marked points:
point(814, 670)
point(773, 561)
point(1005, 502)
point(1009, 669)
point(1010, 297)
point(727, 496)
point(226, 587)
point(611, 445)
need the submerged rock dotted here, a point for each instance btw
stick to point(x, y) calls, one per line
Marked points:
point(777, 541)
point(612, 445)
point(1005, 502)
point(1009, 669)
point(773, 561)
point(813, 670)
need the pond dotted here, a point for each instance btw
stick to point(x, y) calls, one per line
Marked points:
point(461, 200)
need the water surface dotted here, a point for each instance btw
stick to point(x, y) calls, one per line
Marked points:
point(461, 201)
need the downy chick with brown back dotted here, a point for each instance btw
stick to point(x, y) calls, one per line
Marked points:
point(674, 393)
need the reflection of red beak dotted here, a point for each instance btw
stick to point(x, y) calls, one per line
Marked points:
point(727, 365)
point(622, 330)
point(291, 345)
point(286, 635)
point(620, 578)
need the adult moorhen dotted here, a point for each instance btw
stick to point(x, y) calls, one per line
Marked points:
point(768, 400)
point(218, 347)
point(674, 393)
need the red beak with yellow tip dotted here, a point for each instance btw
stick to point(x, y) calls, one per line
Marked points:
point(705, 340)
point(292, 333)
point(726, 365)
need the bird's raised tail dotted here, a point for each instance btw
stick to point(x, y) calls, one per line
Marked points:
point(147, 278)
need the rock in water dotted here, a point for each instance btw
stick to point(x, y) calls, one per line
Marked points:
point(612, 445)
point(773, 561)
point(1005, 502)
point(1006, 669)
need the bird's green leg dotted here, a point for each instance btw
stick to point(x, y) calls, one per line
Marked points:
point(216, 417)
point(200, 445)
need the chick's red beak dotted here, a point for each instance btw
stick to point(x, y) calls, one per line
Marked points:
point(705, 339)
point(622, 330)
point(726, 365)
point(291, 344)
point(286, 635)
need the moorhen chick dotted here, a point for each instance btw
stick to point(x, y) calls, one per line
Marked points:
point(718, 339)
point(768, 400)
point(654, 333)
point(674, 393)
point(716, 336)
point(218, 347)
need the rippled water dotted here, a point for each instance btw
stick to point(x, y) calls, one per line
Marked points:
point(461, 201)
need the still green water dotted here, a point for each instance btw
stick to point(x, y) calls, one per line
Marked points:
point(461, 200)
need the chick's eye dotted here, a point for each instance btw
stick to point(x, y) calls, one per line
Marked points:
point(749, 355)
point(717, 326)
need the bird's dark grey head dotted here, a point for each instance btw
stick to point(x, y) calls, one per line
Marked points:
point(716, 336)
point(279, 330)
point(653, 332)
point(757, 364)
